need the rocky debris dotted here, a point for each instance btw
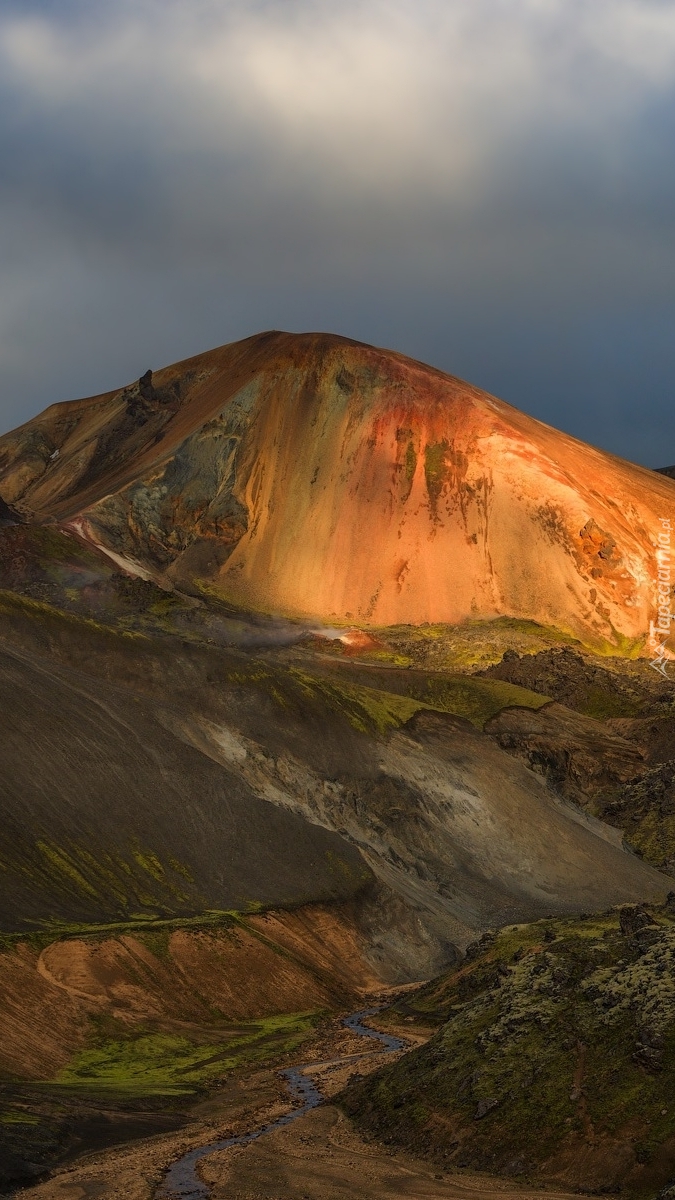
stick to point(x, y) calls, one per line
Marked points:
point(146, 398)
point(145, 388)
point(644, 808)
point(485, 1106)
point(475, 949)
point(633, 918)
point(8, 515)
point(637, 924)
point(597, 542)
point(581, 684)
point(141, 400)
point(138, 595)
point(649, 1049)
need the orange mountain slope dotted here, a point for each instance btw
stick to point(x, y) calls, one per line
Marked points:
point(315, 476)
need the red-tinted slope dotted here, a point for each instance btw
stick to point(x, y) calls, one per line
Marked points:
point(312, 475)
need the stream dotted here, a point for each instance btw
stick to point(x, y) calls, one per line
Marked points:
point(182, 1182)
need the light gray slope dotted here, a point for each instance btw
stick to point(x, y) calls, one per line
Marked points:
point(450, 822)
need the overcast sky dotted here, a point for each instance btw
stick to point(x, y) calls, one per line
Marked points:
point(487, 185)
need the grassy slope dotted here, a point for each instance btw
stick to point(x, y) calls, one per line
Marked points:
point(376, 710)
point(147, 1078)
point(473, 644)
point(369, 709)
point(149, 1062)
point(555, 1059)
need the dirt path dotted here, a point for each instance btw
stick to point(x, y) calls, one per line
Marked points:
point(322, 1157)
point(76, 993)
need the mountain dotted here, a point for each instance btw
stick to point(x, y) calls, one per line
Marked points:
point(316, 664)
point(314, 476)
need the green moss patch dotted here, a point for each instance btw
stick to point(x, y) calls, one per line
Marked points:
point(601, 705)
point(44, 614)
point(374, 711)
point(113, 881)
point(476, 645)
point(472, 644)
point(369, 710)
point(476, 699)
point(154, 931)
point(436, 471)
point(152, 1063)
point(18, 1117)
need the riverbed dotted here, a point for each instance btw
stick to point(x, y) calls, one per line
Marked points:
point(182, 1181)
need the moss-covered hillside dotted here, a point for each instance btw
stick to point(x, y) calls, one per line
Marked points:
point(555, 1059)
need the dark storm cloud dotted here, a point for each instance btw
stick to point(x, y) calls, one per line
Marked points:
point(488, 186)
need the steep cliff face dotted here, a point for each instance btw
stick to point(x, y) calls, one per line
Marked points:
point(315, 476)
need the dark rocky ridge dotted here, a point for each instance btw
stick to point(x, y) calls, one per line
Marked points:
point(553, 1062)
point(618, 763)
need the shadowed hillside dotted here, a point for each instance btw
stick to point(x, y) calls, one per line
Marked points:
point(213, 778)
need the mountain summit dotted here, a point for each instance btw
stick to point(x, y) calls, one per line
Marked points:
point(316, 476)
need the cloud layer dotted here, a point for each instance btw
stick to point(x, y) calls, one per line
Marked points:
point(489, 186)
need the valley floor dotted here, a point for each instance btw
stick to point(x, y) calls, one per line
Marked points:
point(321, 1156)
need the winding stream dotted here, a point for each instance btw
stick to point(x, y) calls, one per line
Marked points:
point(182, 1181)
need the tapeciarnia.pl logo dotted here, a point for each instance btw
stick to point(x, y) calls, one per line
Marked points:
point(661, 629)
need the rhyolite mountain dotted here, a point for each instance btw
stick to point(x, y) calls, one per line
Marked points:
point(314, 476)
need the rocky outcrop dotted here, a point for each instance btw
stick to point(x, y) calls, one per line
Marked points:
point(552, 1062)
